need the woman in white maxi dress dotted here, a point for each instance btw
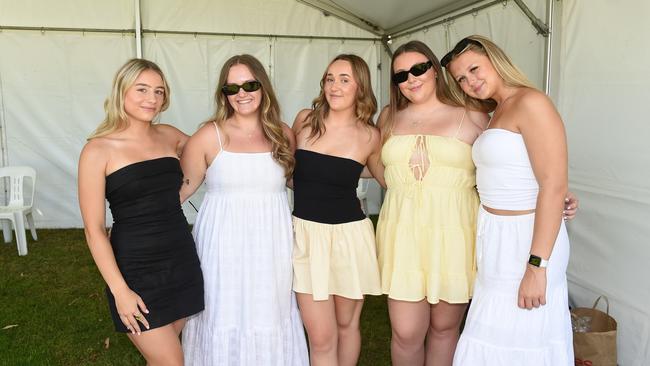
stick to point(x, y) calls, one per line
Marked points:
point(243, 230)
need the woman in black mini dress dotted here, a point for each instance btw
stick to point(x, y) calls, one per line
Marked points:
point(149, 263)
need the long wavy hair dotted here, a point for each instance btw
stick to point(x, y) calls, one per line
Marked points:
point(269, 110)
point(115, 118)
point(398, 101)
point(511, 74)
point(365, 103)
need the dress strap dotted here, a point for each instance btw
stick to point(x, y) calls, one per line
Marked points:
point(460, 124)
point(218, 135)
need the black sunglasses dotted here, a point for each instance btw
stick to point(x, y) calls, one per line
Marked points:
point(460, 48)
point(249, 86)
point(415, 70)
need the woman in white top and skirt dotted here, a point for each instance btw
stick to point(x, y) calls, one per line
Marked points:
point(519, 314)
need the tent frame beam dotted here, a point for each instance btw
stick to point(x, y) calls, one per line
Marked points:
point(439, 13)
point(449, 19)
point(156, 32)
point(541, 27)
point(345, 15)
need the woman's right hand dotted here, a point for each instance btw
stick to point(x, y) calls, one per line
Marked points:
point(131, 308)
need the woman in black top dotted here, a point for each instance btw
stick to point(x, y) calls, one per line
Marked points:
point(150, 265)
point(334, 256)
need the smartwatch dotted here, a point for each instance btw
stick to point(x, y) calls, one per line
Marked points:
point(537, 261)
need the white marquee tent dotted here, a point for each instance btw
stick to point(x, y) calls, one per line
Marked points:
point(57, 59)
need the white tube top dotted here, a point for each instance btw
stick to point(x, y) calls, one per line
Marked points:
point(504, 176)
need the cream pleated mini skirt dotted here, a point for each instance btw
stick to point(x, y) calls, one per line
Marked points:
point(335, 259)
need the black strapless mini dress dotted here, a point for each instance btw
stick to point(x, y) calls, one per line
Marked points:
point(152, 241)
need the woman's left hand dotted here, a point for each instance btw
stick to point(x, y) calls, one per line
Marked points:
point(532, 289)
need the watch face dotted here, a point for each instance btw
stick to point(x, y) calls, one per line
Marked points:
point(535, 260)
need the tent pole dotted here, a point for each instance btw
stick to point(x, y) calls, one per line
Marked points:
point(549, 47)
point(138, 30)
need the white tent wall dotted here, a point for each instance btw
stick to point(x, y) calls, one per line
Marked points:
point(53, 83)
point(52, 93)
point(603, 98)
point(503, 22)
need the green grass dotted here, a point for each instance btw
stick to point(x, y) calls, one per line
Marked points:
point(55, 297)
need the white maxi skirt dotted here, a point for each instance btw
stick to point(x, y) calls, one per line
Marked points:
point(497, 332)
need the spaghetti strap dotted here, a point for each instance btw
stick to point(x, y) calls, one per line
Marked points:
point(460, 124)
point(218, 135)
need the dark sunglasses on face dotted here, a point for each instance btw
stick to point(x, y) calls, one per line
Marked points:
point(249, 86)
point(415, 70)
point(460, 48)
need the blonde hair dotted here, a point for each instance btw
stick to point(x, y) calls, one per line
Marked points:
point(365, 103)
point(505, 68)
point(115, 118)
point(398, 101)
point(269, 113)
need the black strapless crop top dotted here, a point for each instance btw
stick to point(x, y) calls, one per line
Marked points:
point(325, 188)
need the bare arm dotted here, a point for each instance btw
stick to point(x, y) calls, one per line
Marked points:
point(175, 136)
point(299, 132)
point(545, 139)
point(195, 159)
point(92, 182)
point(374, 164)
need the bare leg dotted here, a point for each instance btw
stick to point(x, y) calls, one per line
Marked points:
point(443, 333)
point(160, 346)
point(319, 318)
point(410, 323)
point(178, 325)
point(348, 312)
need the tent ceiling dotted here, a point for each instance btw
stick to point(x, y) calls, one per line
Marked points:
point(390, 16)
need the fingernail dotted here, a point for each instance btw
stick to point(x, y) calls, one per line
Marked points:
point(566, 199)
point(564, 212)
point(146, 311)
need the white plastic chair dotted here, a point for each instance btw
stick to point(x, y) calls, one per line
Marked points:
point(362, 194)
point(17, 208)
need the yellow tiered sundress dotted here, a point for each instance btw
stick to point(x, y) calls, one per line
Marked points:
point(427, 224)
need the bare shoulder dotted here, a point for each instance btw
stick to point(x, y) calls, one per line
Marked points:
point(300, 120)
point(534, 100)
point(383, 117)
point(375, 136)
point(206, 132)
point(171, 131)
point(479, 119)
point(96, 152)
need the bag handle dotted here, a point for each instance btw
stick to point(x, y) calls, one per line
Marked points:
point(598, 300)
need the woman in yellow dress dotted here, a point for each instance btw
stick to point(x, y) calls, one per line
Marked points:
point(426, 228)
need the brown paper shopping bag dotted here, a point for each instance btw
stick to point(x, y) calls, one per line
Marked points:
point(595, 343)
